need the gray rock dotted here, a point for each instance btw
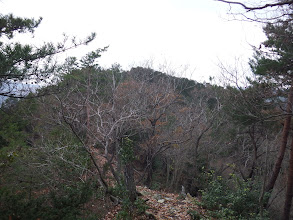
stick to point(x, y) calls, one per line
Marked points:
point(157, 196)
point(161, 200)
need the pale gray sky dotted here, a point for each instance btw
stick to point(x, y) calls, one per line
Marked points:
point(177, 32)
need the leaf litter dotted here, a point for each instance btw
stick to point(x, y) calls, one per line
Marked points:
point(162, 205)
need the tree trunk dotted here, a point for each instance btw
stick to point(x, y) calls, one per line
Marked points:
point(168, 170)
point(149, 161)
point(101, 180)
point(289, 192)
point(129, 181)
point(115, 174)
point(282, 149)
point(255, 148)
point(148, 181)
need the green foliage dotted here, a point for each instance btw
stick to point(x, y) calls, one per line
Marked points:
point(275, 63)
point(27, 63)
point(14, 129)
point(80, 80)
point(89, 60)
point(212, 103)
point(156, 185)
point(123, 215)
point(13, 125)
point(6, 158)
point(245, 106)
point(16, 205)
point(9, 24)
point(195, 215)
point(140, 206)
point(127, 151)
point(231, 199)
point(68, 204)
point(56, 205)
point(121, 193)
point(128, 209)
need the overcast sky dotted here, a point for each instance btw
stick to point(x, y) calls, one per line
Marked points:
point(173, 32)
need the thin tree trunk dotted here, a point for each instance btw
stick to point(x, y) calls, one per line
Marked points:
point(115, 174)
point(149, 178)
point(101, 180)
point(150, 160)
point(282, 149)
point(88, 137)
point(261, 197)
point(254, 143)
point(168, 170)
point(129, 181)
point(289, 192)
point(118, 157)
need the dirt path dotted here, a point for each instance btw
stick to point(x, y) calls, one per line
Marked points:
point(163, 205)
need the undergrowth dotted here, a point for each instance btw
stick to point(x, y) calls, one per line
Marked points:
point(230, 199)
point(128, 209)
point(66, 203)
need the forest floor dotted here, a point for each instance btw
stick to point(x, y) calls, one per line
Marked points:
point(162, 205)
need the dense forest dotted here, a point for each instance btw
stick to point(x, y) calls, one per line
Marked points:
point(84, 138)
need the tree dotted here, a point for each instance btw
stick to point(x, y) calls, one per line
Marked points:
point(23, 64)
point(98, 108)
point(162, 123)
point(274, 65)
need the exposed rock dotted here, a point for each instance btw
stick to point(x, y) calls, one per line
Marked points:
point(161, 200)
point(167, 206)
point(157, 196)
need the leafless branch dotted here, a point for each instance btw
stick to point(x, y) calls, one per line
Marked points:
point(250, 8)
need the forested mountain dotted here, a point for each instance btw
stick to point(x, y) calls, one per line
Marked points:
point(95, 135)
point(112, 128)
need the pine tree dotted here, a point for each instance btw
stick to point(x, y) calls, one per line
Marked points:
point(274, 64)
point(22, 64)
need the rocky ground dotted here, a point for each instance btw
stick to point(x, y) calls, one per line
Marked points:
point(162, 205)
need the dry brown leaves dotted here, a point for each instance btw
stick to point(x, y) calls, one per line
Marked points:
point(162, 205)
point(165, 205)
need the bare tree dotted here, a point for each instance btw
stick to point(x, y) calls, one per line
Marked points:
point(100, 115)
point(162, 123)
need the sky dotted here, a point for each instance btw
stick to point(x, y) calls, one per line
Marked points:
point(184, 36)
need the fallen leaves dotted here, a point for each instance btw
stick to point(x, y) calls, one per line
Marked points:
point(162, 205)
point(165, 205)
